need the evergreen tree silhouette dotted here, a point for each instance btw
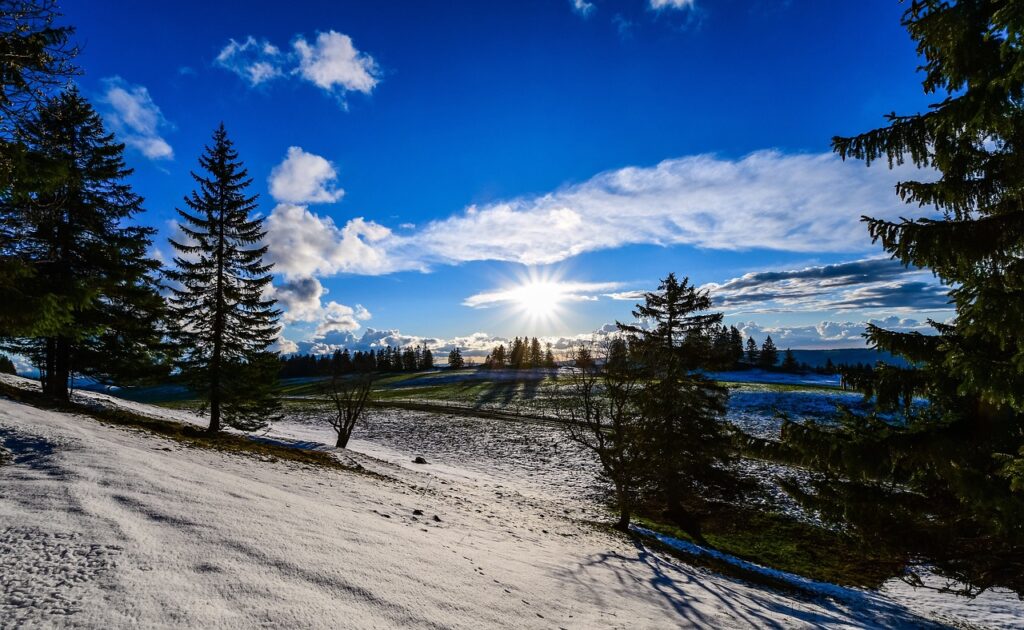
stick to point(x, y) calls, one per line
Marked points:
point(224, 323)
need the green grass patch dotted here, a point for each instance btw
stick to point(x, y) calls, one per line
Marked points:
point(782, 542)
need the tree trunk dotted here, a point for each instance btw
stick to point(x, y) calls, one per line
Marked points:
point(214, 411)
point(216, 361)
point(58, 368)
point(342, 440)
point(623, 523)
point(686, 521)
point(624, 513)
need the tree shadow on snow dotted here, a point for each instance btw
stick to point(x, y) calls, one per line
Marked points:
point(702, 598)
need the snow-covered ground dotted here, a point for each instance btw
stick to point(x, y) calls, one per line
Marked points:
point(108, 527)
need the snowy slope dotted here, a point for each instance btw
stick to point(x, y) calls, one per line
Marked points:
point(106, 527)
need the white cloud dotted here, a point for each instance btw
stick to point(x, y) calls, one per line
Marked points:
point(302, 244)
point(331, 62)
point(582, 7)
point(340, 317)
point(304, 178)
point(136, 119)
point(285, 346)
point(767, 200)
point(658, 5)
point(255, 61)
point(555, 291)
point(301, 301)
point(628, 296)
point(829, 334)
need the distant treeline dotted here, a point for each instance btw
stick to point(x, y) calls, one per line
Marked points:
point(389, 359)
point(524, 353)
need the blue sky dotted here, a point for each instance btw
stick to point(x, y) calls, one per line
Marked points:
point(434, 170)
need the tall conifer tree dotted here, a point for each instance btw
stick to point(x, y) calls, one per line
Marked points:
point(964, 504)
point(687, 445)
point(225, 324)
point(85, 259)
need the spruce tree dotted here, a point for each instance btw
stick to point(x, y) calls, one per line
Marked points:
point(536, 355)
point(549, 357)
point(84, 256)
point(455, 360)
point(498, 357)
point(735, 345)
point(789, 363)
point(409, 362)
point(35, 60)
point(769, 354)
point(962, 508)
point(224, 321)
point(686, 443)
point(753, 354)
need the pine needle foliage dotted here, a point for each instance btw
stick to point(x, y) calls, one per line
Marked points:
point(955, 459)
point(90, 279)
point(688, 445)
point(224, 321)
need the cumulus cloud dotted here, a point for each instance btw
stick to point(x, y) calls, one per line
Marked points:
point(766, 200)
point(303, 244)
point(582, 7)
point(873, 283)
point(304, 178)
point(340, 317)
point(299, 299)
point(555, 291)
point(658, 5)
point(255, 61)
point(284, 346)
point(136, 119)
point(330, 61)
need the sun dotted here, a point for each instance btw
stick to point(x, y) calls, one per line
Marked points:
point(539, 299)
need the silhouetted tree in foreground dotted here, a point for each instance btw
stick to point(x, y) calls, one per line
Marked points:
point(686, 442)
point(647, 410)
point(946, 480)
point(599, 399)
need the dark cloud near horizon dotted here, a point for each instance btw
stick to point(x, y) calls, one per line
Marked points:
point(861, 284)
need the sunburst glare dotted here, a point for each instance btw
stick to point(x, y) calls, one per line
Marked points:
point(540, 298)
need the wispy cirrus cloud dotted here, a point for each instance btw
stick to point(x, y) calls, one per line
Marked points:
point(809, 203)
point(555, 291)
point(330, 61)
point(255, 61)
point(582, 7)
point(659, 5)
point(136, 119)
